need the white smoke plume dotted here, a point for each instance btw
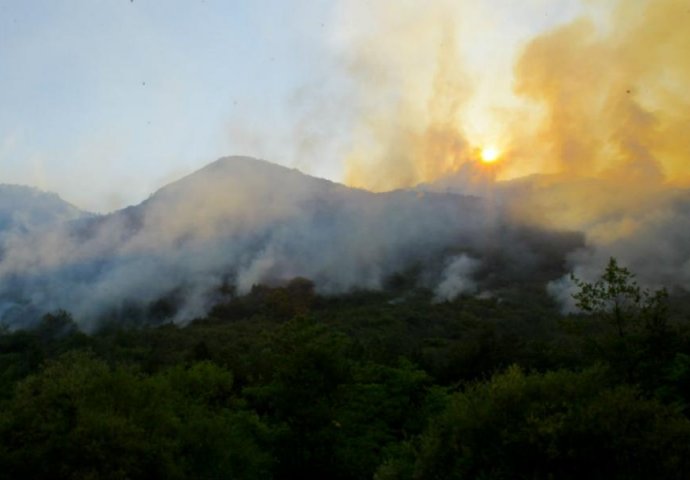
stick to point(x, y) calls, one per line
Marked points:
point(457, 278)
point(244, 221)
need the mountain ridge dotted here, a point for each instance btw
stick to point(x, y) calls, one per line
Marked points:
point(23, 208)
point(245, 222)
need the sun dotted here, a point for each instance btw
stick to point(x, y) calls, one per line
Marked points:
point(489, 154)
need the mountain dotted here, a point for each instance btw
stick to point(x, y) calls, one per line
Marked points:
point(242, 221)
point(25, 208)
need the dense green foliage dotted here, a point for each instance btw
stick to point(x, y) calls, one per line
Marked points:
point(283, 383)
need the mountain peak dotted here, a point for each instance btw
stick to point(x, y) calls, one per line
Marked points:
point(23, 208)
point(242, 160)
point(240, 175)
point(243, 165)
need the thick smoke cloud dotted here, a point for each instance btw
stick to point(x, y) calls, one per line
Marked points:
point(615, 107)
point(244, 222)
point(598, 118)
point(652, 241)
point(614, 97)
point(647, 228)
point(410, 89)
point(600, 97)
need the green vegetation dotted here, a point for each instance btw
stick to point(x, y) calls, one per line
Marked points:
point(283, 383)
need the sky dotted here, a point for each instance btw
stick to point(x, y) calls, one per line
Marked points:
point(105, 101)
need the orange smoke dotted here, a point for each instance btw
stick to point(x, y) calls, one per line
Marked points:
point(412, 144)
point(615, 101)
point(603, 97)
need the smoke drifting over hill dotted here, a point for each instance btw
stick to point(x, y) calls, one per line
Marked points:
point(244, 222)
point(592, 140)
point(597, 113)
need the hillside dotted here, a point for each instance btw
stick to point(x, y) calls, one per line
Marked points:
point(25, 208)
point(242, 221)
point(283, 383)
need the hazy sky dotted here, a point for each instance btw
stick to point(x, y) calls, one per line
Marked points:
point(105, 101)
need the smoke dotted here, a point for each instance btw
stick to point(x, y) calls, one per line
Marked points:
point(409, 91)
point(238, 220)
point(614, 108)
point(596, 111)
point(457, 278)
point(614, 97)
point(244, 222)
point(601, 96)
point(653, 242)
point(590, 118)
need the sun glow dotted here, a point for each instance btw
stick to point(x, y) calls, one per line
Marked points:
point(489, 154)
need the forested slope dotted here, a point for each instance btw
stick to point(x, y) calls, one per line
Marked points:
point(284, 383)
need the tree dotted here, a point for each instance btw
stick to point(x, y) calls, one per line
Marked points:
point(618, 299)
point(80, 418)
point(561, 424)
point(643, 342)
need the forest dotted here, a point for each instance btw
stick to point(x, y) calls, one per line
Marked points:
point(285, 383)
